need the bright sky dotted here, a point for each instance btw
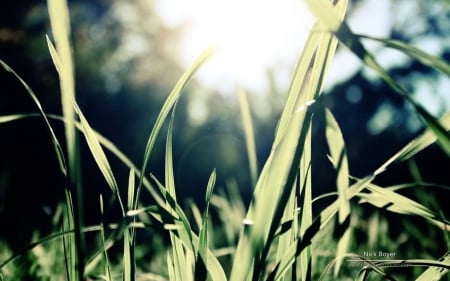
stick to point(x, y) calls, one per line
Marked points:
point(254, 35)
point(251, 36)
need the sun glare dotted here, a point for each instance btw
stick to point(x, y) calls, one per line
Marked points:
point(251, 36)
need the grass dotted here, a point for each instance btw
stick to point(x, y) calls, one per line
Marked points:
point(276, 237)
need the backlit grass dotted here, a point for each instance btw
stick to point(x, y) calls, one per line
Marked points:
point(277, 236)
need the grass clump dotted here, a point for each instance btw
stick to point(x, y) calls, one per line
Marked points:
point(278, 236)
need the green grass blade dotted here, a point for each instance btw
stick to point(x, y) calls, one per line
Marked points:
point(288, 238)
point(281, 168)
point(339, 159)
point(202, 257)
point(131, 187)
point(397, 203)
point(249, 136)
point(435, 273)
point(99, 155)
point(105, 252)
point(416, 145)
point(189, 240)
point(170, 268)
point(305, 191)
point(181, 256)
point(168, 104)
point(60, 26)
point(128, 260)
point(413, 52)
point(15, 117)
point(129, 263)
point(69, 243)
point(56, 146)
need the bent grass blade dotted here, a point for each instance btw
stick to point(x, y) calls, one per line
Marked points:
point(339, 159)
point(168, 104)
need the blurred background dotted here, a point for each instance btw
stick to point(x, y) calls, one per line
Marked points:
point(129, 54)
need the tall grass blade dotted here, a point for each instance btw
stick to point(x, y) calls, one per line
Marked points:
point(289, 236)
point(129, 263)
point(99, 155)
point(305, 191)
point(128, 260)
point(60, 26)
point(202, 257)
point(323, 10)
point(339, 159)
point(249, 136)
point(168, 104)
point(180, 255)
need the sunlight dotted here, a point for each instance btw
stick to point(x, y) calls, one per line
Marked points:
point(251, 37)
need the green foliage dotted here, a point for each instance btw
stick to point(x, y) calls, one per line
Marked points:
point(278, 237)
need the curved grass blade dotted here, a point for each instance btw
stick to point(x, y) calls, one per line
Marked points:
point(182, 257)
point(168, 104)
point(202, 257)
point(249, 136)
point(435, 273)
point(339, 159)
point(99, 155)
point(397, 203)
point(413, 52)
point(418, 144)
point(56, 146)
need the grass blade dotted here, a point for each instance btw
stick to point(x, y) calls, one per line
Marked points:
point(168, 104)
point(129, 264)
point(105, 253)
point(397, 203)
point(413, 52)
point(56, 146)
point(182, 257)
point(249, 136)
point(418, 144)
point(60, 26)
point(436, 273)
point(99, 155)
point(202, 257)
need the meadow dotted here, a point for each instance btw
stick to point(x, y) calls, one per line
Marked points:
point(279, 234)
